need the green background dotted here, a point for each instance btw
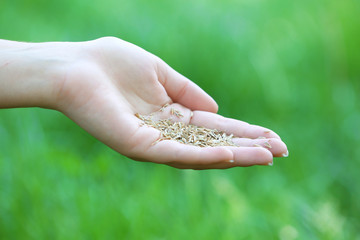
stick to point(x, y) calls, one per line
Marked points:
point(292, 66)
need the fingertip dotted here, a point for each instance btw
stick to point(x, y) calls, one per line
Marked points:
point(249, 156)
point(273, 134)
point(184, 91)
point(283, 150)
point(263, 156)
point(286, 154)
point(214, 108)
point(277, 147)
point(196, 98)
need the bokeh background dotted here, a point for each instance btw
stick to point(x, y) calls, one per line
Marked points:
point(292, 66)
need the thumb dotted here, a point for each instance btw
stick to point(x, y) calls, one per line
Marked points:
point(183, 91)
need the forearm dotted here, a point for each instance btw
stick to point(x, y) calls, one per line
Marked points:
point(25, 78)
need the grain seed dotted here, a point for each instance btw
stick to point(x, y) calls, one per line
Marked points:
point(187, 134)
point(267, 144)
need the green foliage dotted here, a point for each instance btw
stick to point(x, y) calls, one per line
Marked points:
point(293, 66)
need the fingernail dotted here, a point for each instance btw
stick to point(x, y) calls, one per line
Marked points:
point(286, 154)
point(270, 163)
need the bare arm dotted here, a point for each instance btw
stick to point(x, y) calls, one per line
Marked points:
point(101, 84)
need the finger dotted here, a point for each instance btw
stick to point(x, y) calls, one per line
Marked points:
point(243, 157)
point(171, 152)
point(274, 145)
point(249, 156)
point(230, 126)
point(215, 166)
point(183, 91)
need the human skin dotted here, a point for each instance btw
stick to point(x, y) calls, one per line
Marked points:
point(101, 84)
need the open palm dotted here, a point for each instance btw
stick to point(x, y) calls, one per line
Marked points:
point(103, 87)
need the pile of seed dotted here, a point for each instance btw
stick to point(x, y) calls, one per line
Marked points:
point(187, 134)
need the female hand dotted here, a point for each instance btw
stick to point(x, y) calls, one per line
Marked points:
point(101, 84)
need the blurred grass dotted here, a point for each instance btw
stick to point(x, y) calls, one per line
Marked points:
point(291, 66)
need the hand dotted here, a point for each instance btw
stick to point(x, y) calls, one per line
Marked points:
point(101, 84)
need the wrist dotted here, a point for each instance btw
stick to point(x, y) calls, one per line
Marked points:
point(27, 75)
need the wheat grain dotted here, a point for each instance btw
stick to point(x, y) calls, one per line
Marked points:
point(267, 144)
point(186, 134)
